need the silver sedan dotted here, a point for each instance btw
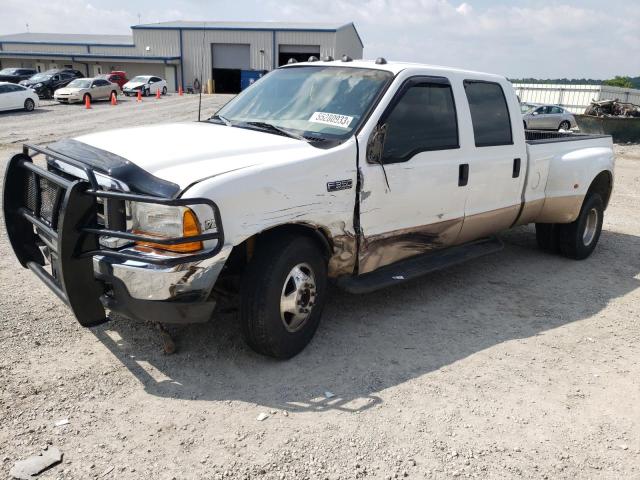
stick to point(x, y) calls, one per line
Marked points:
point(547, 117)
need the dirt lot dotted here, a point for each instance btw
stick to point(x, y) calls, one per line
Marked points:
point(521, 364)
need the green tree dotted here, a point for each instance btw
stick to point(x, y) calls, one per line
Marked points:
point(624, 82)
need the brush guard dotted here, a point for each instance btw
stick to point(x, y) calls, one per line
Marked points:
point(59, 213)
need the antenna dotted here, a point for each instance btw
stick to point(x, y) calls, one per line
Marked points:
point(27, 26)
point(204, 31)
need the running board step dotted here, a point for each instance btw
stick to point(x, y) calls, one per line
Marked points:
point(416, 267)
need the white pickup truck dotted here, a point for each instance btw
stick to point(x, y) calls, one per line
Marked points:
point(366, 173)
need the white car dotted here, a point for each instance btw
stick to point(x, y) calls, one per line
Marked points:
point(17, 97)
point(360, 172)
point(147, 84)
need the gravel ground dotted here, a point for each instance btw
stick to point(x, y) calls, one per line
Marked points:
point(517, 365)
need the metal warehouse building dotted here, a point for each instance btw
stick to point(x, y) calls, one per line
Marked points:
point(182, 51)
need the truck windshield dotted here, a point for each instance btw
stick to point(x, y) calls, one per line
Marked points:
point(325, 102)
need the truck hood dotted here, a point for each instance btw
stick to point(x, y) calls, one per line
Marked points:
point(185, 153)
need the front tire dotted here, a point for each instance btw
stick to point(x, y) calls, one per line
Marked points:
point(29, 105)
point(145, 92)
point(577, 240)
point(164, 90)
point(282, 295)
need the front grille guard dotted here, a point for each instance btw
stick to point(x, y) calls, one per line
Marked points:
point(45, 209)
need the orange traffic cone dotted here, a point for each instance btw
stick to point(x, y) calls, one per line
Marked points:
point(158, 93)
point(114, 101)
point(139, 99)
point(180, 92)
point(87, 102)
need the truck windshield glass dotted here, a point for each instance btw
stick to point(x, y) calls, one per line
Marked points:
point(325, 102)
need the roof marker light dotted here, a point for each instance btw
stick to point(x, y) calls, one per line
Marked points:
point(347, 58)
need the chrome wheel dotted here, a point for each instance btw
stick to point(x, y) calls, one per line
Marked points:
point(590, 227)
point(564, 126)
point(298, 297)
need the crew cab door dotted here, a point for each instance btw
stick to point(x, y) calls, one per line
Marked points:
point(497, 160)
point(412, 198)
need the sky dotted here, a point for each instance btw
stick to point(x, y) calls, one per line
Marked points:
point(518, 38)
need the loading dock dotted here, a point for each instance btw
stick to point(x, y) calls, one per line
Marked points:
point(300, 53)
point(229, 60)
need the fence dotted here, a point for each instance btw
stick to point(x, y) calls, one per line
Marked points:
point(574, 98)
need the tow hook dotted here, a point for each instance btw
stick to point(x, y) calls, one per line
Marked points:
point(168, 344)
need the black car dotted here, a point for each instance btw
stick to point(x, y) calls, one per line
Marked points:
point(44, 84)
point(16, 75)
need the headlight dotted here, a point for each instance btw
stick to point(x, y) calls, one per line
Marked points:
point(162, 221)
point(37, 85)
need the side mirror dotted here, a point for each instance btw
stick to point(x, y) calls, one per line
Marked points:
point(534, 113)
point(375, 145)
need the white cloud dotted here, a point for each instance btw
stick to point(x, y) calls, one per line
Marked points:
point(464, 9)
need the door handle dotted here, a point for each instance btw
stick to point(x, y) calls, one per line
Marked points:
point(516, 168)
point(463, 174)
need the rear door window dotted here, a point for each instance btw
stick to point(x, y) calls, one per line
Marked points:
point(489, 113)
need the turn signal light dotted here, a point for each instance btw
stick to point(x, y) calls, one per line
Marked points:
point(190, 228)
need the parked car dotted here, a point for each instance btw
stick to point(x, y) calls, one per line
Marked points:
point(147, 84)
point(547, 117)
point(16, 75)
point(118, 77)
point(360, 172)
point(81, 88)
point(45, 84)
point(16, 97)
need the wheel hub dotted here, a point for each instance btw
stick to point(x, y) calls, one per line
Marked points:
point(298, 297)
point(590, 227)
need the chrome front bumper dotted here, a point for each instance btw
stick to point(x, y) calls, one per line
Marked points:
point(145, 281)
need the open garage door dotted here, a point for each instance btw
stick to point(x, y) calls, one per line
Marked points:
point(300, 52)
point(228, 60)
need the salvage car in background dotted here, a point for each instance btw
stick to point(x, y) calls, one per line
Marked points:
point(16, 75)
point(17, 97)
point(82, 88)
point(118, 77)
point(147, 84)
point(46, 83)
point(547, 117)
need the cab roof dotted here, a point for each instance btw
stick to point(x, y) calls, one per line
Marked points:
point(395, 67)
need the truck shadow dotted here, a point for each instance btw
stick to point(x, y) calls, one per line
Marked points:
point(369, 343)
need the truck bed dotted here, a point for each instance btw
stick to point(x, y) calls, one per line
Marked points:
point(535, 137)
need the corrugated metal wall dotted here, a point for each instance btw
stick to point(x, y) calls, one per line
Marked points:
point(347, 43)
point(37, 47)
point(575, 98)
point(197, 61)
point(326, 40)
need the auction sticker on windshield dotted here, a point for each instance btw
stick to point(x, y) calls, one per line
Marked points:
point(333, 119)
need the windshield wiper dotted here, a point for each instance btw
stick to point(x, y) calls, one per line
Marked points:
point(275, 128)
point(224, 120)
